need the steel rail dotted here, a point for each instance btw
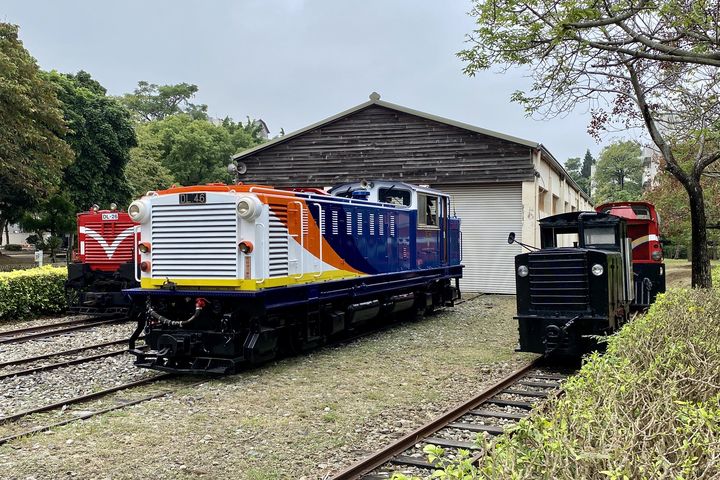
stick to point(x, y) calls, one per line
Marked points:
point(67, 363)
point(83, 398)
point(59, 331)
point(377, 459)
point(43, 327)
point(64, 352)
point(86, 415)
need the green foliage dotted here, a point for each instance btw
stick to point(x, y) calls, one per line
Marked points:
point(575, 170)
point(618, 176)
point(12, 247)
point(155, 102)
point(33, 292)
point(631, 64)
point(101, 136)
point(32, 150)
point(588, 162)
point(145, 173)
point(648, 408)
point(55, 216)
point(192, 151)
point(459, 467)
point(670, 199)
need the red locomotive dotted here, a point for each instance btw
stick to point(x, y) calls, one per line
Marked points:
point(643, 226)
point(103, 265)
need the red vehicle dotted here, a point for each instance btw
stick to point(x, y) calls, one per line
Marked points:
point(103, 265)
point(643, 226)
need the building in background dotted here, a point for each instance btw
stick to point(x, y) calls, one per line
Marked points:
point(498, 183)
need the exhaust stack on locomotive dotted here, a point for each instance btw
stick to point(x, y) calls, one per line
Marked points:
point(578, 285)
point(231, 274)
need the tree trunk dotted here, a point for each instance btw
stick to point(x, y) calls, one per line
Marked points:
point(7, 232)
point(2, 229)
point(701, 277)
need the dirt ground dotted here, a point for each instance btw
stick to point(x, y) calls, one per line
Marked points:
point(678, 273)
point(299, 418)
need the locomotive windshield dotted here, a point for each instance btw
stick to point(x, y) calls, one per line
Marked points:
point(395, 196)
point(601, 236)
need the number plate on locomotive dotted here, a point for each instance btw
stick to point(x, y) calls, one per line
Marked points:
point(192, 198)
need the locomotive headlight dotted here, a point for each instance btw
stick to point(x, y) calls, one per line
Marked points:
point(523, 271)
point(245, 247)
point(656, 255)
point(248, 207)
point(144, 247)
point(137, 211)
point(597, 270)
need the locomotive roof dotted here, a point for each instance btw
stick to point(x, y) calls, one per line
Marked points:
point(572, 219)
point(390, 183)
point(629, 213)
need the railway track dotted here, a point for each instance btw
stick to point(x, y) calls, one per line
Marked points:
point(504, 403)
point(67, 363)
point(63, 407)
point(42, 331)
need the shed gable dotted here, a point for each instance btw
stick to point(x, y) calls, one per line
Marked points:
point(377, 142)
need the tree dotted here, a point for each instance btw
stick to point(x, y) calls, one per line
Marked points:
point(619, 173)
point(101, 135)
point(193, 151)
point(633, 63)
point(574, 169)
point(145, 173)
point(54, 216)
point(588, 162)
point(32, 150)
point(150, 102)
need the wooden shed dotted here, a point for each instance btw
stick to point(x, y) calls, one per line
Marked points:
point(498, 183)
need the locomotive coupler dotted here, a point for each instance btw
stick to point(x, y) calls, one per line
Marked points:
point(554, 334)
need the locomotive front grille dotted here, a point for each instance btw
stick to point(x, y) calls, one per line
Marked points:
point(194, 241)
point(109, 245)
point(558, 281)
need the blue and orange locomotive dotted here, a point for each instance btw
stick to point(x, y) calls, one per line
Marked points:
point(235, 274)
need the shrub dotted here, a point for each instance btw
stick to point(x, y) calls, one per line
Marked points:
point(32, 292)
point(648, 408)
point(12, 247)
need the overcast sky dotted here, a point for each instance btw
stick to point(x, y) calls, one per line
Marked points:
point(289, 62)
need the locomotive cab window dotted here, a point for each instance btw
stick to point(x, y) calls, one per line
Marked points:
point(396, 196)
point(600, 236)
point(428, 208)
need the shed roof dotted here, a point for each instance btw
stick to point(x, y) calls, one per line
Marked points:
point(375, 100)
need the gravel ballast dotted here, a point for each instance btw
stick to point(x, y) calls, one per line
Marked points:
point(300, 418)
point(66, 341)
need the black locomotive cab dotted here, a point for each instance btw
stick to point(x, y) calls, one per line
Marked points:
point(577, 286)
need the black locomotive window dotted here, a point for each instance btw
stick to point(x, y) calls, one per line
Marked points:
point(641, 212)
point(595, 236)
point(428, 210)
point(395, 196)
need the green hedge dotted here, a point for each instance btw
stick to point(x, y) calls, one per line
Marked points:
point(12, 247)
point(32, 292)
point(648, 408)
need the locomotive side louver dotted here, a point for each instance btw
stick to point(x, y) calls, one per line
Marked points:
point(194, 241)
point(278, 241)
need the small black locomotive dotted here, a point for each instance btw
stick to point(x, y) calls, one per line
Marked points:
point(577, 286)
